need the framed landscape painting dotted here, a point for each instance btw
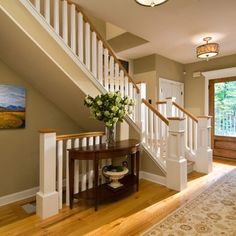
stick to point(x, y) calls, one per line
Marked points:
point(12, 107)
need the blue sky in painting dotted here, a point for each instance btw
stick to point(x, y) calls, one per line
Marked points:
point(12, 95)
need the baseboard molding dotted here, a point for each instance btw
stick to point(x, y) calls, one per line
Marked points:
point(18, 196)
point(153, 178)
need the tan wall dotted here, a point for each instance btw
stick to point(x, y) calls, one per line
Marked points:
point(144, 64)
point(99, 24)
point(195, 87)
point(19, 158)
point(169, 69)
point(151, 82)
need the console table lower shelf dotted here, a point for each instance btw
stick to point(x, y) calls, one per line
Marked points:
point(104, 192)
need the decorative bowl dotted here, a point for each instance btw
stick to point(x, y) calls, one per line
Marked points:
point(115, 176)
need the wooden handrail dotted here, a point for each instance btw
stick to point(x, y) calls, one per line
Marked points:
point(155, 111)
point(161, 102)
point(86, 19)
point(186, 112)
point(79, 135)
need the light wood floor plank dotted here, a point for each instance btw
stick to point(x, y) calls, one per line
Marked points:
point(127, 216)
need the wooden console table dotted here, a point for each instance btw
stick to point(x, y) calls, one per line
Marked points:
point(97, 152)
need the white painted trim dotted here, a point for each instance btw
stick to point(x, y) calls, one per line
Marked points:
point(170, 81)
point(18, 196)
point(215, 74)
point(152, 177)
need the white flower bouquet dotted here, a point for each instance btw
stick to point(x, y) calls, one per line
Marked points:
point(109, 108)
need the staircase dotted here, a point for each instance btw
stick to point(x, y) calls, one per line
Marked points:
point(168, 132)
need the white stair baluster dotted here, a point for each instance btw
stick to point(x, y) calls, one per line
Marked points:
point(87, 45)
point(150, 121)
point(195, 136)
point(126, 86)
point(131, 95)
point(161, 140)
point(76, 177)
point(72, 28)
point(155, 127)
point(122, 83)
point(64, 21)
point(117, 74)
point(56, 16)
point(112, 74)
point(100, 62)
point(47, 10)
point(190, 134)
point(90, 171)
point(68, 145)
point(37, 5)
point(146, 126)
point(84, 168)
point(106, 69)
point(80, 37)
point(60, 172)
point(94, 54)
point(186, 133)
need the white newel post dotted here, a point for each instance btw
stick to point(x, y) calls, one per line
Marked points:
point(204, 152)
point(47, 197)
point(176, 164)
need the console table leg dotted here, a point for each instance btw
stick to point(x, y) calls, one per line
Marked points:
point(132, 163)
point(71, 181)
point(137, 170)
point(96, 162)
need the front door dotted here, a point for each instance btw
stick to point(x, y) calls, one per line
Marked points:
point(222, 107)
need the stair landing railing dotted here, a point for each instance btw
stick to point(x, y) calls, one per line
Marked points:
point(169, 108)
point(197, 135)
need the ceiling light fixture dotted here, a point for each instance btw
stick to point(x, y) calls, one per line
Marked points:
point(150, 3)
point(207, 50)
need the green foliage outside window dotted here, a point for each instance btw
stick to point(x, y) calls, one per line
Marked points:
point(225, 108)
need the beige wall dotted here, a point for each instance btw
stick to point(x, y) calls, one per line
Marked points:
point(151, 83)
point(19, 158)
point(169, 69)
point(144, 64)
point(195, 87)
point(99, 24)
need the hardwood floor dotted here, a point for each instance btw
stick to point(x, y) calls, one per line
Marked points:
point(128, 216)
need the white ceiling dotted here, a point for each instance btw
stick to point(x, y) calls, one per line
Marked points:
point(173, 29)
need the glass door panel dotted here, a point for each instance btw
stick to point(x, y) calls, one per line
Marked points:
point(225, 108)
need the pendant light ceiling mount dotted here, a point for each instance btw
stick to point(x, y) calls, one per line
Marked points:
point(150, 3)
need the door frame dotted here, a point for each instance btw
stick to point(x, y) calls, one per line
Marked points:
point(214, 74)
point(211, 106)
point(161, 80)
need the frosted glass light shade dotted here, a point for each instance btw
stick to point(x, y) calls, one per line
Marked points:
point(150, 3)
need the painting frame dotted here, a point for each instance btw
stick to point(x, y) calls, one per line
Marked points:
point(12, 106)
